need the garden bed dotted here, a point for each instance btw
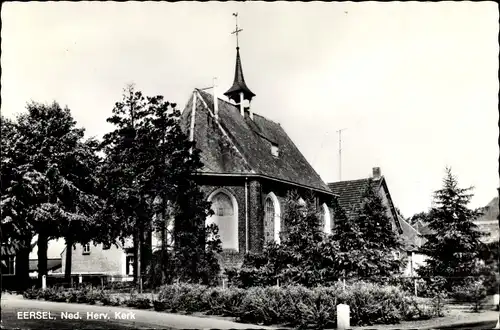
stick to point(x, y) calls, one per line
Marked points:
point(292, 306)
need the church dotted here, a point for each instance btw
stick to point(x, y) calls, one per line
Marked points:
point(250, 164)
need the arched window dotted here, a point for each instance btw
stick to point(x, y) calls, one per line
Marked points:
point(272, 218)
point(225, 217)
point(327, 219)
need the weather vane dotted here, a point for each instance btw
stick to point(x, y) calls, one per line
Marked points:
point(237, 30)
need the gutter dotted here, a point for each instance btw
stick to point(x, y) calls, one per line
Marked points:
point(254, 175)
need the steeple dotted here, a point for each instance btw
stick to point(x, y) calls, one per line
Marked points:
point(239, 91)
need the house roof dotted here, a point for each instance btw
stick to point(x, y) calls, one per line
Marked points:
point(350, 195)
point(239, 145)
point(52, 264)
point(411, 237)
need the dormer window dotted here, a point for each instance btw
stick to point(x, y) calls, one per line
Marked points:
point(275, 150)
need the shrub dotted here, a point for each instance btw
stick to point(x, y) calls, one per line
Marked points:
point(140, 303)
point(473, 292)
point(316, 309)
point(31, 293)
point(225, 302)
point(263, 305)
point(175, 297)
point(107, 300)
point(374, 304)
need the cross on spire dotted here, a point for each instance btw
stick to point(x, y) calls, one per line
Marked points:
point(239, 91)
point(236, 31)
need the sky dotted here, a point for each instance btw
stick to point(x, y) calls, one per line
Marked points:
point(414, 84)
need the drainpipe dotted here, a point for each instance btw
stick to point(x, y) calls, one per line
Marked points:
point(193, 116)
point(246, 215)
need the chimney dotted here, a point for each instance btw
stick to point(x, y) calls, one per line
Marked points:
point(242, 106)
point(216, 100)
point(376, 172)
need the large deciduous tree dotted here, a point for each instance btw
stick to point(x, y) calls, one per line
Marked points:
point(49, 186)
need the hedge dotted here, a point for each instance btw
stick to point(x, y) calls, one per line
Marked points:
point(293, 306)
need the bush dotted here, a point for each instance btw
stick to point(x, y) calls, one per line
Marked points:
point(225, 302)
point(140, 303)
point(375, 304)
point(473, 292)
point(263, 306)
point(31, 293)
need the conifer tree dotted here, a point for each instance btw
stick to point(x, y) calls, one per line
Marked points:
point(305, 255)
point(149, 169)
point(368, 243)
point(454, 244)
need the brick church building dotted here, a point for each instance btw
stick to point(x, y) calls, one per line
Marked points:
point(250, 164)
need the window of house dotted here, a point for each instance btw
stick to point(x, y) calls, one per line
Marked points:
point(9, 265)
point(86, 248)
point(275, 150)
point(129, 264)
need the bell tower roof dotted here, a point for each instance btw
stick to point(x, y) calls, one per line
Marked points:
point(239, 85)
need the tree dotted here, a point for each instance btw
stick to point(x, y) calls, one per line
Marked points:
point(453, 245)
point(305, 255)
point(126, 206)
point(149, 166)
point(48, 175)
point(170, 160)
point(422, 217)
point(368, 243)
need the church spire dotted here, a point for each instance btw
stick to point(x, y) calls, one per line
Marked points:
point(239, 91)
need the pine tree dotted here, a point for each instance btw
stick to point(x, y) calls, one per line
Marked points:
point(170, 160)
point(454, 244)
point(149, 169)
point(126, 204)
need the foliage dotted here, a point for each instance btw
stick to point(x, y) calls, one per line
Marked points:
point(423, 217)
point(367, 241)
point(454, 245)
point(149, 166)
point(473, 292)
point(293, 306)
point(304, 256)
point(48, 177)
point(139, 303)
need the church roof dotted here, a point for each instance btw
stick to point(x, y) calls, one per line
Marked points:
point(236, 144)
